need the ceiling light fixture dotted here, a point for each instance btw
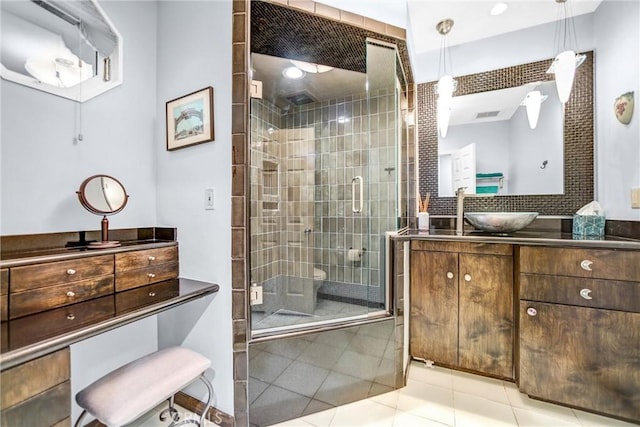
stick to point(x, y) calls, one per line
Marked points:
point(446, 83)
point(565, 63)
point(310, 67)
point(294, 73)
point(498, 9)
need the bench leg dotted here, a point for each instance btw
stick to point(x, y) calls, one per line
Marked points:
point(204, 411)
point(171, 411)
point(79, 421)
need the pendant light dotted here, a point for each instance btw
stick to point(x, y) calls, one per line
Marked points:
point(565, 63)
point(532, 103)
point(446, 83)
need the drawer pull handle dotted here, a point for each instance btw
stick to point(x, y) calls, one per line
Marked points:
point(151, 258)
point(71, 294)
point(71, 271)
point(449, 275)
point(71, 316)
point(586, 265)
point(532, 311)
point(467, 277)
point(152, 294)
point(585, 293)
point(151, 275)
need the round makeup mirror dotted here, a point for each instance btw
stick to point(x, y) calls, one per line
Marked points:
point(103, 195)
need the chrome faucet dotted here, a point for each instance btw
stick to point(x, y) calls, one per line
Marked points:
point(460, 196)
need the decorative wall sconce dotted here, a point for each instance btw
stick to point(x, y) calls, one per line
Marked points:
point(623, 108)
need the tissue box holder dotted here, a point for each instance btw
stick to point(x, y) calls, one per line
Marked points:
point(585, 226)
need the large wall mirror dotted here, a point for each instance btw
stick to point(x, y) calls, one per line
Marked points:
point(548, 169)
point(66, 48)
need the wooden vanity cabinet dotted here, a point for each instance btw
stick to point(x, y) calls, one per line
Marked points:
point(4, 294)
point(462, 305)
point(579, 328)
point(37, 393)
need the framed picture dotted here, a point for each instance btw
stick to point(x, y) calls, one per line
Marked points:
point(190, 119)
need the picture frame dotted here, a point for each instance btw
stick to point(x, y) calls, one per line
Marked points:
point(190, 119)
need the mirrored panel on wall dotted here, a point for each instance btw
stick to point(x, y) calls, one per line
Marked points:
point(491, 135)
point(323, 188)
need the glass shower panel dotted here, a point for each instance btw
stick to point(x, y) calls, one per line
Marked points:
point(384, 87)
point(308, 169)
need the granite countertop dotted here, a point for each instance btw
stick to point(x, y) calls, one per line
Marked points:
point(524, 237)
point(29, 337)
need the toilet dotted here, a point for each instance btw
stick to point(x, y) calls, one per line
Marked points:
point(319, 274)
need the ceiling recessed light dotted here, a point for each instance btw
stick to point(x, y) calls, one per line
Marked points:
point(293, 73)
point(498, 9)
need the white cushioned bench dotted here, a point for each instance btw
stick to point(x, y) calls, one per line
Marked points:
point(130, 391)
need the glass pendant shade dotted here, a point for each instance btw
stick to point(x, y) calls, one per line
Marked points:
point(446, 87)
point(564, 68)
point(59, 69)
point(532, 103)
point(444, 115)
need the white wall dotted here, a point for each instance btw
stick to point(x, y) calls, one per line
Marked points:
point(194, 40)
point(617, 70)
point(42, 167)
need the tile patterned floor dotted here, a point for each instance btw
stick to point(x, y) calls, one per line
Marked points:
point(438, 397)
point(325, 310)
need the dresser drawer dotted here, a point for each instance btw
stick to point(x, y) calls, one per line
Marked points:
point(30, 329)
point(595, 293)
point(474, 248)
point(146, 258)
point(4, 292)
point(39, 275)
point(145, 276)
point(50, 408)
point(22, 382)
point(147, 295)
point(591, 263)
point(29, 302)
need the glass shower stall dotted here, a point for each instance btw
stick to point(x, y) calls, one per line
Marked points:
point(325, 186)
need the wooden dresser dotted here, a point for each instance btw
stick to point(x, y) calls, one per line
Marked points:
point(47, 293)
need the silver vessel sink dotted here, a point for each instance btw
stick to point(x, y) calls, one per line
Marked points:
point(500, 222)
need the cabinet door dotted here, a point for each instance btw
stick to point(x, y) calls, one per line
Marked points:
point(579, 356)
point(486, 314)
point(434, 306)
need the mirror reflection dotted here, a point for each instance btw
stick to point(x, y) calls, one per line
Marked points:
point(491, 147)
point(67, 48)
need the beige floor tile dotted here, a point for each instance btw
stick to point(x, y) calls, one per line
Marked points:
point(321, 419)
point(535, 418)
point(364, 413)
point(403, 419)
point(437, 376)
point(427, 401)
point(474, 411)
point(588, 419)
point(487, 388)
point(522, 401)
point(388, 399)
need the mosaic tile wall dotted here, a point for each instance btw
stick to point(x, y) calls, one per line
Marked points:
point(578, 141)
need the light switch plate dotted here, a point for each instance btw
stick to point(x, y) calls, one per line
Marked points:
point(635, 198)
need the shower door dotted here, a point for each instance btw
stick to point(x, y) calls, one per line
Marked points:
point(323, 185)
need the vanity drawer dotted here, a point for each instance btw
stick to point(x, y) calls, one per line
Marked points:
point(595, 293)
point(146, 258)
point(29, 302)
point(147, 295)
point(39, 275)
point(4, 294)
point(30, 329)
point(32, 378)
point(473, 248)
point(145, 276)
point(591, 263)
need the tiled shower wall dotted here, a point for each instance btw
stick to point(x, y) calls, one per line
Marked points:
point(354, 136)
point(266, 223)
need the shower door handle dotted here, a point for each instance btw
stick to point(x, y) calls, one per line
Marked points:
point(357, 182)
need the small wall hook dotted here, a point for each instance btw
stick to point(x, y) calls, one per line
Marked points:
point(544, 164)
